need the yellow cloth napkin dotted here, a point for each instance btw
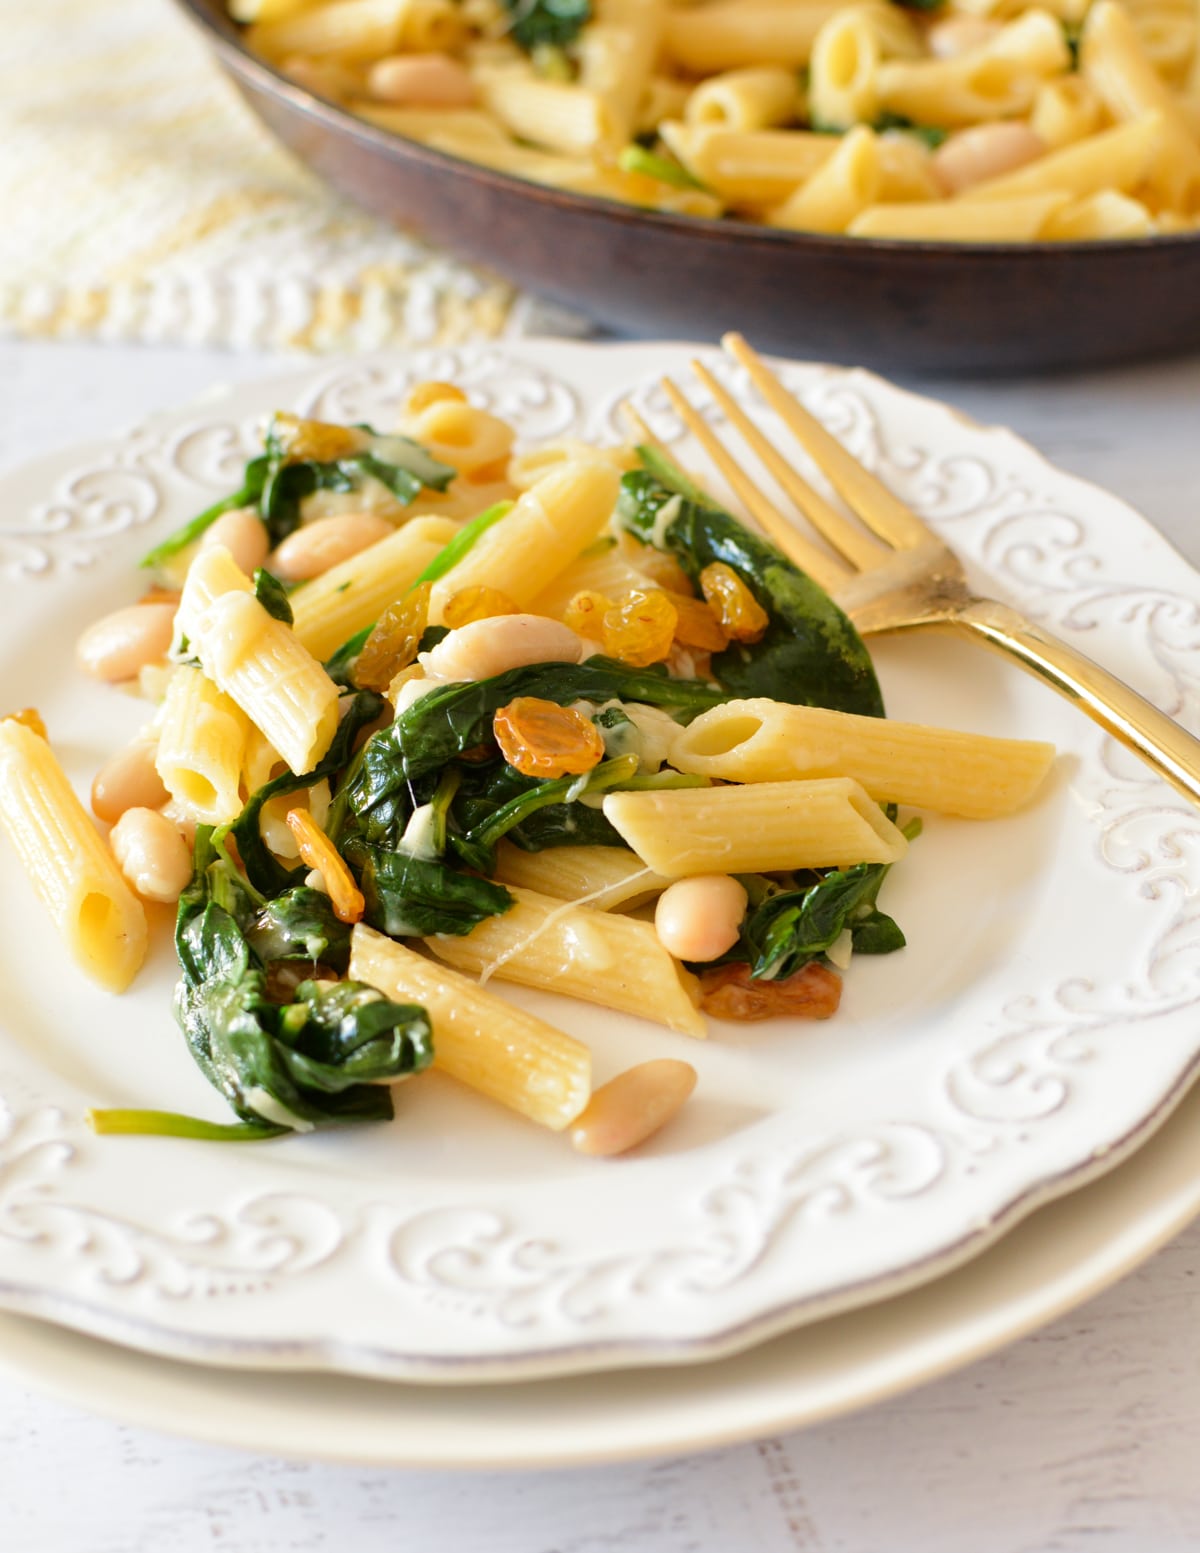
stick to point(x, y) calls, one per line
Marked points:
point(142, 200)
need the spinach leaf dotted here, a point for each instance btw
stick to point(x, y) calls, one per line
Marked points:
point(652, 164)
point(795, 926)
point(446, 722)
point(411, 896)
point(785, 929)
point(272, 595)
point(538, 22)
point(477, 845)
point(485, 790)
point(300, 925)
point(316, 1062)
point(811, 654)
point(277, 483)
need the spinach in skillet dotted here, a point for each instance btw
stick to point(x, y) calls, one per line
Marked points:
point(546, 23)
point(811, 654)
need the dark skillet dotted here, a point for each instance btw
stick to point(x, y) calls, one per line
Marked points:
point(913, 307)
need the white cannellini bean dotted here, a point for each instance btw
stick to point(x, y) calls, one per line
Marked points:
point(959, 35)
point(984, 151)
point(151, 854)
point(699, 918)
point(314, 548)
point(128, 781)
point(244, 534)
point(421, 80)
point(632, 1106)
point(501, 642)
point(119, 645)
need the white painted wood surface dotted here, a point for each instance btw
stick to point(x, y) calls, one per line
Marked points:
point(1083, 1438)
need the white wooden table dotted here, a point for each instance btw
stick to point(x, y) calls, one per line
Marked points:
point(1083, 1438)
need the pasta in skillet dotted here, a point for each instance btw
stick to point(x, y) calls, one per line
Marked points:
point(1075, 119)
point(468, 748)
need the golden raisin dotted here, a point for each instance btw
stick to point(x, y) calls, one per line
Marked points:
point(28, 717)
point(542, 739)
point(393, 644)
point(477, 603)
point(585, 613)
point(320, 441)
point(640, 629)
point(739, 612)
point(697, 626)
point(730, 992)
point(319, 852)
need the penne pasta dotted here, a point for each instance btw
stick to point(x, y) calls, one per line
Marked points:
point(969, 774)
point(596, 956)
point(101, 921)
point(500, 1051)
point(551, 523)
point(352, 595)
point(759, 828)
point(258, 662)
point(601, 877)
point(204, 745)
point(734, 108)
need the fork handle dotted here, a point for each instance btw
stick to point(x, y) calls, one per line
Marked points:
point(1162, 743)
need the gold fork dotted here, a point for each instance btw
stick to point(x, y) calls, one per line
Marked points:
point(894, 573)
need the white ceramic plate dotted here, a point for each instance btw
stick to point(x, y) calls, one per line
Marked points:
point(1040, 1024)
point(1064, 1254)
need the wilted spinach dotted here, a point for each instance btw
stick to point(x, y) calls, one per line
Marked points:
point(275, 484)
point(811, 654)
point(322, 1060)
point(540, 23)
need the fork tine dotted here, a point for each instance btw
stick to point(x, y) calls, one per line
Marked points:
point(823, 569)
point(883, 514)
point(640, 429)
point(857, 547)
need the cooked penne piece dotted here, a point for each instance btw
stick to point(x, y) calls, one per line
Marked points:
point(100, 919)
point(1114, 159)
point(556, 115)
point(551, 523)
point(838, 191)
point(330, 609)
point(988, 221)
point(758, 98)
point(528, 467)
point(501, 1051)
point(1105, 215)
point(596, 956)
point(600, 877)
point(997, 81)
point(729, 34)
point(969, 774)
point(203, 747)
point(608, 573)
point(759, 828)
point(1112, 60)
point(459, 434)
point(617, 52)
point(257, 660)
point(758, 167)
